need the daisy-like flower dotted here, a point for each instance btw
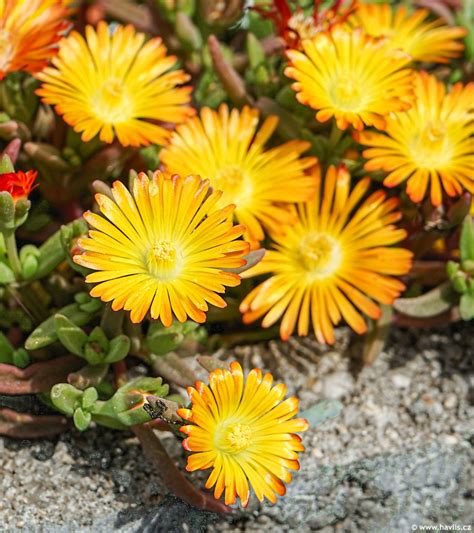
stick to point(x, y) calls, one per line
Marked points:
point(245, 432)
point(18, 184)
point(227, 149)
point(114, 84)
point(334, 264)
point(29, 31)
point(423, 40)
point(351, 76)
point(162, 249)
point(430, 145)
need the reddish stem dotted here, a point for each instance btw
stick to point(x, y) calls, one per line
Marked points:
point(26, 426)
point(39, 377)
point(172, 476)
point(452, 315)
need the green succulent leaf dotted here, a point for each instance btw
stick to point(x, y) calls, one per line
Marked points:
point(466, 242)
point(66, 398)
point(70, 335)
point(45, 334)
point(118, 349)
point(82, 419)
point(466, 306)
point(434, 302)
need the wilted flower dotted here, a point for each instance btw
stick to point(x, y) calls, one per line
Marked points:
point(430, 145)
point(351, 76)
point(163, 249)
point(333, 263)
point(228, 149)
point(112, 83)
point(245, 432)
point(29, 31)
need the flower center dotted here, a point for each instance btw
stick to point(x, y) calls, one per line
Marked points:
point(163, 260)
point(320, 255)
point(233, 183)
point(6, 49)
point(431, 149)
point(110, 102)
point(347, 93)
point(239, 437)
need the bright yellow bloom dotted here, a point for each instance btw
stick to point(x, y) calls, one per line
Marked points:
point(114, 84)
point(244, 432)
point(227, 149)
point(29, 31)
point(424, 41)
point(430, 144)
point(163, 249)
point(355, 78)
point(333, 263)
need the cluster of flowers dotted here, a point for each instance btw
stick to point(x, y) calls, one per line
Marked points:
point(169, 247)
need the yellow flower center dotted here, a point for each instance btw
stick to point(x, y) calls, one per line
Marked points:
point(233, 183)
point(239, 437)
point(347, 93)
point(431, 148)
point(110, 102)
point(163, 260)
point(6, 49)
point(320, 255)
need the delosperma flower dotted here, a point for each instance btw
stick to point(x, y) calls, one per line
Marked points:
point(334, 264)
point(114, 84)
point(162, 249)
point(352, 77)
point(227, 147)
point(244, 430)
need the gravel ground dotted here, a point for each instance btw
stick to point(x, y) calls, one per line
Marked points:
point(400, 451)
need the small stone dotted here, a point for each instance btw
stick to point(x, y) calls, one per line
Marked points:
point(401, 381)
point(337, 385)
point(451, 401)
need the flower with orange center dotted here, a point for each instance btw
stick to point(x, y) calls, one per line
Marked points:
point(29, 31)
point(424, 41)
point(228, 149)
point(18, 184)
point(430, 145)
point(352, 77)
point(164, 249)
point(113, 84)
point(334, 264)
point(245, 432)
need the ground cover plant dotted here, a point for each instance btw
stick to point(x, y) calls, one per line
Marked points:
point(179, 177)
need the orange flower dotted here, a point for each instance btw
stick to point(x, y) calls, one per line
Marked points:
point(245, 431)
point(18, 184)
point(29, 31)
point(336, 263)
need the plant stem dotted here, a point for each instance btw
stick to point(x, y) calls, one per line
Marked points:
point(111, 321)
point(172, 476)
point(334, 138)
point(12, 253)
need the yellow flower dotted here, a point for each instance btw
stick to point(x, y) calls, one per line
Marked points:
point(333, 263)
point(244, 432)
point(355, 78)
point(162, 250)
point(29, 31)
point(424, 41)
point(114, 84)
point(227, 149)
point(429, 145)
